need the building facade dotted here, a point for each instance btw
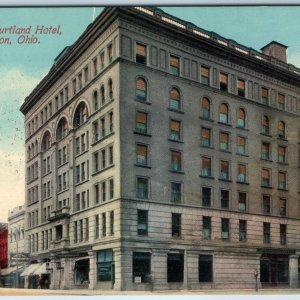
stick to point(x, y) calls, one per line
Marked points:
point(163, 156)
point(3, 246)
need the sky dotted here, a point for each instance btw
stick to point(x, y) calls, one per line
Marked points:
point(22, 66)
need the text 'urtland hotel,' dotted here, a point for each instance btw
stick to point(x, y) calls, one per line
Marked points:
point(163, 156)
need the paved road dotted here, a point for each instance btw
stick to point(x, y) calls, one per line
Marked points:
point(39, 292)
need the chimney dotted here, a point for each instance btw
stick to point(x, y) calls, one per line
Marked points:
point(275, 49)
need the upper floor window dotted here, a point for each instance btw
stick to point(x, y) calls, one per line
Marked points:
point(265, 96)
point(265, 177)
point(175, 99)
point(242, 201)
point(95, 100)
point(141, 154)
point(224, 172)
point(282, 207)
point(204, 75)
point(110, 88)
point(241, 145)
point(281, 101)
point(281, 180)
point(206, 166)
point(110, 53)
point(62, 129)
point(283, 234)
point(176, 163)
point(206, 231)
point(142, 188)
point(265, 150)
point(241, 87)
point(223, 82)
point(281, 154)
point(176, 192)
point(281, 130)
point(46, 142)
point(205, 108)
point(141, 54)
point(206, 196)
point(265, 125)
point(141, 122)
point(241, 118)
point(241, 173)
point(141, 89)
point(243, 230)
point(224, 113)
point(81, 115)
point(176, 225)
point(224, 141)
point(206, 137)
point(175, 130)
point(102, 94)
point(174, 65)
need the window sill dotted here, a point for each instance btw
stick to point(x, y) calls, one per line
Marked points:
point(242, 154)
point(177, 172)
point(141, 133)
point(282, 139)
point(176, 141)
point(282, 163)
point(226, 124)
point(34, 179)
point(265, 134)
point(81, 182)
point(103, 170)
point(242, 128)
point(266, 186)
point(46, 198)
point(266, 159)
point(208, 177)
point(81, 153)
point(210, 147)
point(176, 110)
point(143, 166)
point(226, 180)
point(206, 119)
point(284, 190)
point(61, 165)
point(32, 203)
point(103, 105)
point(142, 101)
point(101, 139)
point(241, 182)
point(61, 192)
point(225, 151)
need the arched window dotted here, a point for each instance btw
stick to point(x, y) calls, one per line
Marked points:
point(81, 115)
point(29, 152)
point(205, 108)
point(223, 113)
point(141, 89)
point(95, 100)
point(241, 118)
point(175, 99)
point(110, 88)
point(281, 130)
point(265, 125)
point(102, 94)
point(46, 142)
point(62, 129)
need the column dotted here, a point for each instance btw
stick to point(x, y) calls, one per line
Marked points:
point(185, 270)
point(118, 267)
point(159, 269)
point(293, 271)
point(93, 270)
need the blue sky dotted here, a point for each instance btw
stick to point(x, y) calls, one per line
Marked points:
point(23, 66)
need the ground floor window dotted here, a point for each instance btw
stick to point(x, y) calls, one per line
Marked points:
point(175, 267)
point(205, 268)
point(274, 269)
point(105, 265)
point(141, 266)
point(82, 269)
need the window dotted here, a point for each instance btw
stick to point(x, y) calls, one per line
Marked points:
point(241, 173)
point(204, 75)
point(243, 230)
point(175, 267)
point(103, 191)
point(267, 232)
point(80, 116)
point(110, 88)
point(176, 225)
point(265, 125)
point(206, 232)
point(111, 122)
point(175, 99)
point(265, 96)
point(95, 63)
point(141, 89)
point(241, 118)
point(224, 141)
point(224, 199)
point(141, 266)
point(141, 54)
point(224, 113)
point(142, 188)
point(205, 137)
point(281, 130)
point(282, 207)
point(223, 82)
point(224, 174)
point(174, 65)
point(266, 204)
point(241, 87)
point(141, 122)
point(241, 145)
point(242, 201)
point(282, 234)
point(102, 60)
point(141, 155)
point(86, 74)
point(111, 155)
point(111, 188)
point(225, 229)
point(102, 123)
point(206, 166)
point(109, 53)
point(95, 131)
point(96, 227)
point(265, 178)
point(83, 142)
point(104, 224)
point(80, 81)
point(281, 154)
point(142, 222)
point(111, 222)
point(176, 192)
point(175, 127)
point(281, 180)
point(265, 150)
point(176, 161)
point(46, 141)
point(105, 265)
point(281, 101)
point(206, 196)
point(95, 100)
point(205, 268)
point(205, 108)
point(87, 232)
point(96, 193)
point(102, 95)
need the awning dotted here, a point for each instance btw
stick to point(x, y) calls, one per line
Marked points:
point(29, 270)
point(41, 269)
point(7, 271)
